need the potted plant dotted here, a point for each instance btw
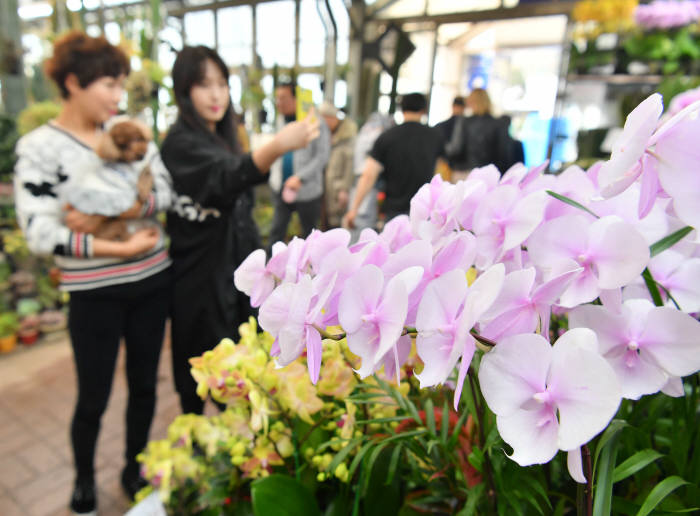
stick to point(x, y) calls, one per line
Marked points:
point(52, 320)
point(28, 332)
point(8, 331)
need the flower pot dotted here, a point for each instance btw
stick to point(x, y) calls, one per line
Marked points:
point(52, 320)
point(8, 343)
point(28, 337)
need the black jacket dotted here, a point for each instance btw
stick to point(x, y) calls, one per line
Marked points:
point(478, 141)
point(212, 231)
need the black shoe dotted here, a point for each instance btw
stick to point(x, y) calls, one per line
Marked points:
point(83, 500)
point(132, 482)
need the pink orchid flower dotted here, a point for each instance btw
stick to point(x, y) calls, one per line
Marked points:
point(373, 312)
point(678, 274)
point(504, 220)
point(677, 153)
point(624, 166)
point(397, 233)
point(644, 344)
point(291, 314)
point(254, 279)
point(446, 314)
point(610, 251)
point(320, 243)
point(548, 398)
point(521, 306)
point(431, 210)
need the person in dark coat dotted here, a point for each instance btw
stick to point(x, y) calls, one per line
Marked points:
point(447, 127)
point(210, 224)
point(477, 139)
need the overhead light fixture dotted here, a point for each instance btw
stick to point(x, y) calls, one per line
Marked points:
point(35, 11)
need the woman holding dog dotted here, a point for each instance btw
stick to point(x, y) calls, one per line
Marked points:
point(118, 288)
point(211, 225)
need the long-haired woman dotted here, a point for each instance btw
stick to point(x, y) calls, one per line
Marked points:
point(211, 225)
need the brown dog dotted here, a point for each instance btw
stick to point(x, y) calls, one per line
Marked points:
point(126, 142)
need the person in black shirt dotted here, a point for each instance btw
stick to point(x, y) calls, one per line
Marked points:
point(211, 225)
point(405, 155)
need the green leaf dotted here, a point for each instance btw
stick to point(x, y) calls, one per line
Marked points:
point(369, 465)
point(537, 487)
point(571, 202)
point(602, 501)
point(358, 458)
point(638, 461)
point(242, 508)
point(343, 453)
point(393, 464)
point(445, 423)
point(559, 509)
point(669, 240)
point(282, 495)
point(652, 288)
point(473, 497)
point(381, 420)
point(381, 499)
point(661, 491)
point(404, 435)
point(430, 417)
point(476, 459)
point(457, 429)
point(338, 506)
point(615, 426)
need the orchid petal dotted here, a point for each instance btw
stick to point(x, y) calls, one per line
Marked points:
point(583, 386)
point(531, 433)
point(513, 371)
point(575, 465)
point(467, 355)
point(361, 294)
point(673, 339)
point(674, 387)
point(620, 253)
point(313, 353)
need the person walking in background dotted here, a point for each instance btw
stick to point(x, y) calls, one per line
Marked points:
point(296, 178)
point(405, 155)
point(448, 126)
point(367, 210)
point(117, 289)
point(211, 225)
point(477, 139)
point(339, 172)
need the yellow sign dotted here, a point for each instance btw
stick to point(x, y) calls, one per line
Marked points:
point(305, 102)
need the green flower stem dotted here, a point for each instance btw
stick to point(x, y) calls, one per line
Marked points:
point(491, 492)
point(584, 500)
point(327, 335)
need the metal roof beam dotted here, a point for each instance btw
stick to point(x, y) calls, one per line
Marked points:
point(215, 5)
point(502, 13)
point(379, 6)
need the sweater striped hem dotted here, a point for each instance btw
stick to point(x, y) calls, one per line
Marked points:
point(89, 278)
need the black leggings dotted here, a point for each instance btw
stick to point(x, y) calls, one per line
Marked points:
point(97, 321)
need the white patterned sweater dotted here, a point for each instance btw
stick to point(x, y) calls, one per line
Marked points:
point(55, 169)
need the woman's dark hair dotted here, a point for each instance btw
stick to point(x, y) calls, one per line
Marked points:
point(87, 58)
point(189, 70)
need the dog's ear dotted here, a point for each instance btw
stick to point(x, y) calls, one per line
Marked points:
point(146, 131)
point(107, 149)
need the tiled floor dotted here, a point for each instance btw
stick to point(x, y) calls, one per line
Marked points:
point(37, 392)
